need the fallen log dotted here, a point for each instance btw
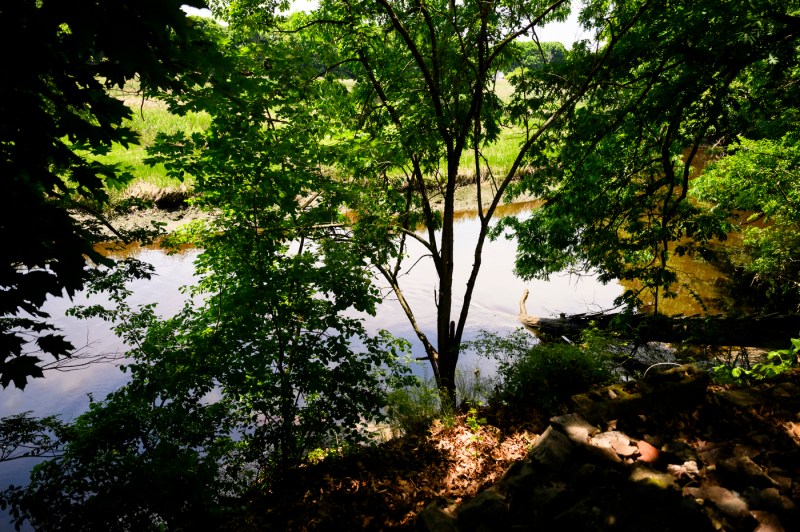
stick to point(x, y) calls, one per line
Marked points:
point(770, 331)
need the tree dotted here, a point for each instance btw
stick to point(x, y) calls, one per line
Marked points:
point(56, 109)
point(424, 97)
point(533, 55)
point(760, 178)
point(608, 137)
point(269, 360)
point(753, 182)
point(673, 86)
point(280, 277)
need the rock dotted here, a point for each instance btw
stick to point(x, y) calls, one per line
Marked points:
point(577, 429)
point(786, 390)
point(745, 450)
point(743, 471)
point(647, 453)
point(653, 478)
point(616, 441)
point(487, 511)
point(552, 450)
point(740, 398)
point(769, 499)
point(782, 481)
point(679, 452)
point(597, 406)
point(767, 522)
point(687, 469)
point(726, 501)
point(434, 519)
point(520, 475)
point(677, 388)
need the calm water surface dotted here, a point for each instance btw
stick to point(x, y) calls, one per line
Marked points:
point(494, 307)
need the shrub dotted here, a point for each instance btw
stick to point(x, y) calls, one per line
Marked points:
point(412, 408)
point(774, 363)
point(543, 375)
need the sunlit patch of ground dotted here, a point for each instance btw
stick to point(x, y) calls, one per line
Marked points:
point(385, 487)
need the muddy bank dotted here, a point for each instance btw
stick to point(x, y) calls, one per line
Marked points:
point(171, 218)
point(180, 213)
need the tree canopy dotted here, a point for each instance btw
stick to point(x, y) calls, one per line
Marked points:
point(676, 83)
point(57, 112)
point(338, 137)
point(608, 133)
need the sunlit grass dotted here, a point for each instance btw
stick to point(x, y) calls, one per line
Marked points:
point(500, 156)
point(151, 117)
point(148, 120)
point(503, 89)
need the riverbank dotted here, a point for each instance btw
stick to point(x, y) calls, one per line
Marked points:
point(171, 207)
point(696, 456)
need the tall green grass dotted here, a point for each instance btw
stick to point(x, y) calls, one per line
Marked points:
point(150, 117)
point(500, 155)
point(148, 120)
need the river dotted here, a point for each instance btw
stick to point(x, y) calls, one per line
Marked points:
point(494, 308)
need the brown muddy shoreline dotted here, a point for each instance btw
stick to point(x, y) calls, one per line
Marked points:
point(173, 218)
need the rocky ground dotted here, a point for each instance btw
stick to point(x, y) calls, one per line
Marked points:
point(674, 453)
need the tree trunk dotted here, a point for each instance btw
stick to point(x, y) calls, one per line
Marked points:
point(448, 349)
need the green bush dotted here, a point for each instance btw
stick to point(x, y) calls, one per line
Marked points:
point(543, 375)
point(775, 363)
point(412, 408)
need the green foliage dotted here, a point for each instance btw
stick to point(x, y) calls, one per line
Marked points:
point(411, 409)
point(543, 375)
point(473, 421)
point(666, 82)
point(472, 387)
point(267, 362)
point(760, 178)
point(420, 113)
point(55, 110)
point(23, 436)
point(533, 55)
point(775, 363)
point(140, 459)
point(280, 280)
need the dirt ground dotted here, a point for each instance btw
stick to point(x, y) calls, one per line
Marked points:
point(731, 461)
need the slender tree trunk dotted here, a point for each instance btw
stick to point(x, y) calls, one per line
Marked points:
point(448, 347)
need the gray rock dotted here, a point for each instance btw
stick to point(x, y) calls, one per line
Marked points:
point(577, 429)
point(767, 522)
point(726, 501)
point(520, 476)
point(749, 472)
point(488, 510)
point(552, 450)
point(616, 441)
point(434, 519)
point(769, 499)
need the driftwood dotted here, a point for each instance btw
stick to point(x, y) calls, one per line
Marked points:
point(772, 331)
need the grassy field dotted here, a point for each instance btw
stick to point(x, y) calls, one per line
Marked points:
point(151, 117)
point(148, 120)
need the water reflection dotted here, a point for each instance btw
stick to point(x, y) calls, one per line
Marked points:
point(67, 393)
point(495, 302)
point(702, 288)
point(494, 307)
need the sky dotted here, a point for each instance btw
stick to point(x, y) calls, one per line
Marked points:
point(566, 32)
